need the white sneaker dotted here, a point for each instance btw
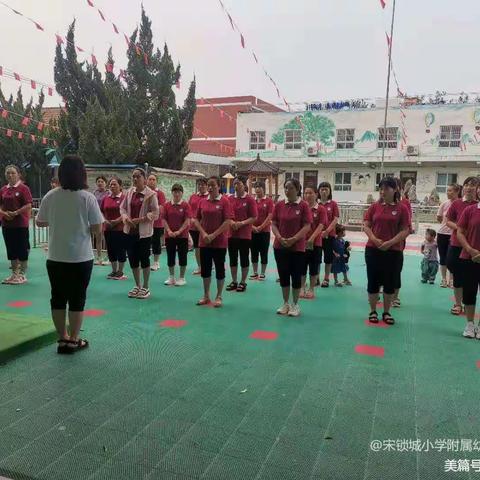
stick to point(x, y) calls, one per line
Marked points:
point(469, 331)
point(197, 271)
point(284, 309)
point(133, 293)
point(9, 279)
point(169, 281)
point(143, 293)
point(294, 310)
point(155, 267)
point(180, 282)
point(478, 332)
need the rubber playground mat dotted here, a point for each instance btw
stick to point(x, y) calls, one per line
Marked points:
point(169, 390)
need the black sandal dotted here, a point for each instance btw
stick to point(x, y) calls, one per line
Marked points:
point(373, 317)
point(387, 318)
point(76, 345)
point(231, 286)
point(241, 287)
point(63, 349)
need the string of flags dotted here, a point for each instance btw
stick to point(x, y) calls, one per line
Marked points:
point(223, 147)
point(213, 107)
point(7, 73)
point(4, 113)
point(19, 135)
point(235, 28)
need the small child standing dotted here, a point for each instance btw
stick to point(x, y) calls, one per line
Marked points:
point(341, 254)
point(429, 250)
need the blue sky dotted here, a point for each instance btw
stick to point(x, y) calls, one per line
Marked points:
point(314, 49)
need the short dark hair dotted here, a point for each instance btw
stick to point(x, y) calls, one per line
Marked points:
point(214, 177)
point(390, 182)
point(176, 187)
point(202, 180)
point(101, 177)
point(142, 172)
point(325, 185)
point(14, 167)
point(457, 188)
point(259, 184)
point(312, 187)
point(431, 232)
point(296, 184)
point(473, 180)
point(72, 174)
point(241, 178)
point(339, 228)
point(114, 177)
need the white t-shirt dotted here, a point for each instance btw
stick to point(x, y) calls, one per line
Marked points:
point(69, 215)
point(442, 212)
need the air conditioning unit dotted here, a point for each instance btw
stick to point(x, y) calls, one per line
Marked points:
point(312, 151)
point(412, 150)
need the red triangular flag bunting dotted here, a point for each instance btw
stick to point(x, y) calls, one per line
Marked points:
point(145, 58)
point(44, 141)
point(20, 135)
point(94, 59)
point(101, 14)
point(242, 40)
point(382, 3)
point(137, 50)
point(39, 27)
point(40, 126)
point(25, 121)
point(115, 29)
point(50, 91)
point(4, 113)
point(59, 39)
point(17, 76)
point(33, 138)
point(90, 3)
point(9, 132)
point(33, 84)
point(109, 67)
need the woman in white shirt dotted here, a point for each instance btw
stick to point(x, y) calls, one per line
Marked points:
point(444, 233)
point(72, 214)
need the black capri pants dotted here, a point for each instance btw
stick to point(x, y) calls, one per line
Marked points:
point(259, 247)
point(138, 250)
point(312, 262)
point(383, 268)
point(290, 266)
point(157, 240)
point(327, 248)
point(455, 265)
point(17, 243)
point(239, 246)
point(69, 283)
point(174, 245)
point(398, 278)
point(471, 280)
point(443, 242)
point(195, 234)
point(209, 256)
point(116, 245)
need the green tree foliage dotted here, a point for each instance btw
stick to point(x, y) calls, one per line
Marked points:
point(315, 128)
point(136, 121)
point(29, 156)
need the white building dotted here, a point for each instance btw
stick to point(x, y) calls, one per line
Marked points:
point(344, 147)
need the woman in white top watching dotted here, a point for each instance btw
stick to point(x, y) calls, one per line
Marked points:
point(72, 214)
point(444, 233)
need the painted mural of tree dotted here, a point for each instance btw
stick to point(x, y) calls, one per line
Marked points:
point(315, 128)
point(368, 136)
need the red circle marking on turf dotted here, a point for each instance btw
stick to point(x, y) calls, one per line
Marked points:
point(170, 323)
point(19, 304)
point(452, 298)
point(371, 350)
point(264, 335)
point(478, 363)
point(93, 313)
point(380, 304)
point(380, 324)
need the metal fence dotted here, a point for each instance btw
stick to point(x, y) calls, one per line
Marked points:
point(40, 235)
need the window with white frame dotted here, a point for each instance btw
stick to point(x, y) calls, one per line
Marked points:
point(290, 175)
point(387, 138)
point(345, 138)
point(450, 135)
point(444, 180)
point(343, 181)
point(379, 177)
point(293, 139)
point(257, 140)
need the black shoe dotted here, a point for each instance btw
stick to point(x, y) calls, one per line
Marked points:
point(231, 286)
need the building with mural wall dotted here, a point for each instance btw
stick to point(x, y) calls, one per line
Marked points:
point(344, 147)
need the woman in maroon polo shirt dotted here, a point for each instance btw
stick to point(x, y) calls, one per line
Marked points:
point(158, 229)
point(386, 225)
point(244, 210)
point(100, 193)
point(333, 214)
point(194, 202)
point(470, 197)
point(214, 216)
point(15, 209)
point(113, 229)
point(176, 218)
point(468, 234)
point(313, 252)
point(139, 209)
point(290, 224)
point(261, 231)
